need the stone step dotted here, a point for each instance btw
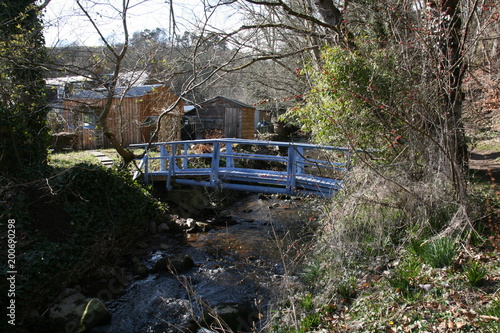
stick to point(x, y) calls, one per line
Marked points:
point(103, 158)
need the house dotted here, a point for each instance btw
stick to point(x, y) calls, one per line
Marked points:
point(222, 117)
point(133, 116)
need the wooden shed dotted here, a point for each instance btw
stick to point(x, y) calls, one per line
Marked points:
point(133, 116)
point(225, 117)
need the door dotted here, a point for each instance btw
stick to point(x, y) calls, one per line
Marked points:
point(232, 123)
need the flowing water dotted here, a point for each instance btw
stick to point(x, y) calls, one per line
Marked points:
point(236, 271)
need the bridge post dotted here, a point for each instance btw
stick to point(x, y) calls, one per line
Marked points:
point(300, 160)
point(163, 154)
point(348, 161)
point(185, 160)
point(229, 153)
point(171, 166)
point(214, 172)
point(291, 170)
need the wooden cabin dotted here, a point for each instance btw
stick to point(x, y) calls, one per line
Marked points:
point(223, 117)
point(133, 116)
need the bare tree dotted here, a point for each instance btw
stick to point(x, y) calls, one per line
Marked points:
point(200, 71)
point(432, 40)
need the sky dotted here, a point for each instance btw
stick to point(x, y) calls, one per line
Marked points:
point(65, 23)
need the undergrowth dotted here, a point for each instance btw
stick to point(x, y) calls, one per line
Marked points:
point(69, 224)
point(395, 256)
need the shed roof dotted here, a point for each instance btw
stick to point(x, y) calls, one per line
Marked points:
point(233, 101)
point(135, 91)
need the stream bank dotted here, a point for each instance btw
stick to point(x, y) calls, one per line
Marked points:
point(224, 277)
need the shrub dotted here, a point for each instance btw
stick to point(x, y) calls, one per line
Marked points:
point(347, 103)
point(72, 222)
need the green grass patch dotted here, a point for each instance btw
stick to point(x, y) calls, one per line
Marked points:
point(475, 273)
point(69, 159)
point(440, 252)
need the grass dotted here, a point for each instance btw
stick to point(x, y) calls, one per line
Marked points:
point(404, 277)
point(66, 160)
point(439, 253)
point(475, 273)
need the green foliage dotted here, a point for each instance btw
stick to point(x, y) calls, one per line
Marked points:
point(475, 273)
point(104, 197)
point(100, 212)
point(346, 288)
point(494, 311)
point(403, 277)
point(24, 135)
point(312, 317)
point(310, 322)
point(311, 271)
point(351, 92)
point(307, 302)
point(440, 252)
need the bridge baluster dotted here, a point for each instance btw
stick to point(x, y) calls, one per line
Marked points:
point(214, 173)
point(163, 154)
point(291, 170)
point(185, 159)
point(300, 160)
point(229, 153)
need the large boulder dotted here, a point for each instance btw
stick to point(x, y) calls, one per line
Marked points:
point(76, 313)
point(192, 201)
point(174, 264)
point(238, 317)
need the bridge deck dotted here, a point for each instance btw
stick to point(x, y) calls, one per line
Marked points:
point(297, 173)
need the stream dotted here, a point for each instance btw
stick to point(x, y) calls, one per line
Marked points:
point(225, 278)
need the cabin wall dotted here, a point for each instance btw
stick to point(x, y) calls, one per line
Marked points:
point(227, 118)
point(126, 119)
point(211, 118)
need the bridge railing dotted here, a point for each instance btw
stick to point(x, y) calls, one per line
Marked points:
point(269, 166)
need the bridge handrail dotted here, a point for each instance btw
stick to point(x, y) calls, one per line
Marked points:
point(296, 163)
point(247, 142)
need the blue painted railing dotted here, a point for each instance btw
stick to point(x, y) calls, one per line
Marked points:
point(300, 169)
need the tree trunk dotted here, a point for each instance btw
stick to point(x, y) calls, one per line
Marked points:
point(453, 69)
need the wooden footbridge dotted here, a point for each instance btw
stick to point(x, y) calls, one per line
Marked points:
point(247, 165)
